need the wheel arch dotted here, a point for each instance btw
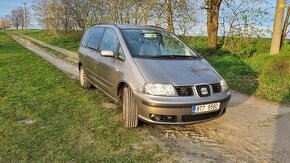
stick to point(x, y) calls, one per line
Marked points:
point(80, 64)
point(120, 88)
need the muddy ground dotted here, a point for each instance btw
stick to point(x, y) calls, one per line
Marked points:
point(252, 130)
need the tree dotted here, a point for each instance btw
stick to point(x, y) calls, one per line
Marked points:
point(185, 15)
point(242, 20)
point(64, 15)
point(213, 8)
point(19, 18)
point(16, 17)
point(277, 29)
point(285, 27)
point(169, 12)
point(5, 22)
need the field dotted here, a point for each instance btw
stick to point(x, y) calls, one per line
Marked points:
point(246, 65)
point(45, 116)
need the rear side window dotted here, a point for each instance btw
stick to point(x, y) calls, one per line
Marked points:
point(110, 41)
point(86, 37)
point(95, 38)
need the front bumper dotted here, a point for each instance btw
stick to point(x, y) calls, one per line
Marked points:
point(180, 107)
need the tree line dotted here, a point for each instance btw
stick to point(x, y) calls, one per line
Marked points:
point(18, 18)
point(66, 15)
point(226, 18)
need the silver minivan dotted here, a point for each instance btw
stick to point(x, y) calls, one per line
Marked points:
point(155, 76)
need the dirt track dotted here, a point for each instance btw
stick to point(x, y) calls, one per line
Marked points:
point(252, 130)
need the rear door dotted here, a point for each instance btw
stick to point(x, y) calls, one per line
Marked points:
point(83, 50)
point(93, 54)
point(106, 67)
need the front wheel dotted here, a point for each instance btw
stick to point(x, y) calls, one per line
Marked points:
point(130, 113)
point(85, 83)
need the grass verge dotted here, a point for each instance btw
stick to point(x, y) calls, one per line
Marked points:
point(46, 116)
point(69, 42)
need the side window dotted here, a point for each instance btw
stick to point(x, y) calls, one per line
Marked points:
point(110, 41)
point(95, 38)
point(86, 37)
point(121, 54)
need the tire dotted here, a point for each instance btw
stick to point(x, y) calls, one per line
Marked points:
point(130, 113)
point(85, 83)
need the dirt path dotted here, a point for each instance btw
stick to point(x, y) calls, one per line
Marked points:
point(252, 130)
point(68, 53)
point(61, 64)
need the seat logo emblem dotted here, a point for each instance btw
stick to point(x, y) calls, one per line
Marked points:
point(204, 91)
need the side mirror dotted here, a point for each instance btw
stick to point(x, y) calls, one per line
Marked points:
point(107, 53)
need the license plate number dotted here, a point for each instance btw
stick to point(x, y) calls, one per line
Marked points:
point(205, 107)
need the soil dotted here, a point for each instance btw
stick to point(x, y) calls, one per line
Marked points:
point(252, 130)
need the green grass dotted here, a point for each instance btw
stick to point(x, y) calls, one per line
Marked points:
point(244, 63)
point(70, 122)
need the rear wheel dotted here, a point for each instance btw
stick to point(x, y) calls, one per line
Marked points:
point(85, 83)
point(130, 113)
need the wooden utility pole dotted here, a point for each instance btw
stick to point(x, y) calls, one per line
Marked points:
point(285, 27)
point(24, 16)
point(277, 28)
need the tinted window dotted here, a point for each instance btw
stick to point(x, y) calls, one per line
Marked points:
point(86, 37)
point(110, 41)
point(95, 38)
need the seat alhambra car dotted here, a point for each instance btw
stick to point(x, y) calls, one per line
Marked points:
point(155, 76)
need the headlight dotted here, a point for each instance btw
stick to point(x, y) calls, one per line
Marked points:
point(224, 85)
point(159, 89)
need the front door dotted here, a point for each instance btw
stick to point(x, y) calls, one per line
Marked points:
point(106, 67)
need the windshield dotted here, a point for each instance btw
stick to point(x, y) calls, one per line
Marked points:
point(156, 44)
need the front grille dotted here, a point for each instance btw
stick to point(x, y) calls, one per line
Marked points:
point(216, 88)
point(200, 89)
point(184, 91)
point(200, 117)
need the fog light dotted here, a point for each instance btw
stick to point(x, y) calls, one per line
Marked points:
point(163, 118)
point(155, 117)
point(169, 117)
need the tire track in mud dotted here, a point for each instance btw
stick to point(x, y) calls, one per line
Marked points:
point(246, 133)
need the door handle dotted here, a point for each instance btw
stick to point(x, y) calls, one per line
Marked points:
point(97, 61)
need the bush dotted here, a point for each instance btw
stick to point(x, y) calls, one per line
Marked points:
point(248, 47)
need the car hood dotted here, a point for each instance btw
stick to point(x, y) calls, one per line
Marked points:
point(178, 72)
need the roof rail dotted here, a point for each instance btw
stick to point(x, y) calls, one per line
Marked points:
point(154, 26)
point(105, 23)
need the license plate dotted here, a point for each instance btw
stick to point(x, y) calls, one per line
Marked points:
point(205, 107)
